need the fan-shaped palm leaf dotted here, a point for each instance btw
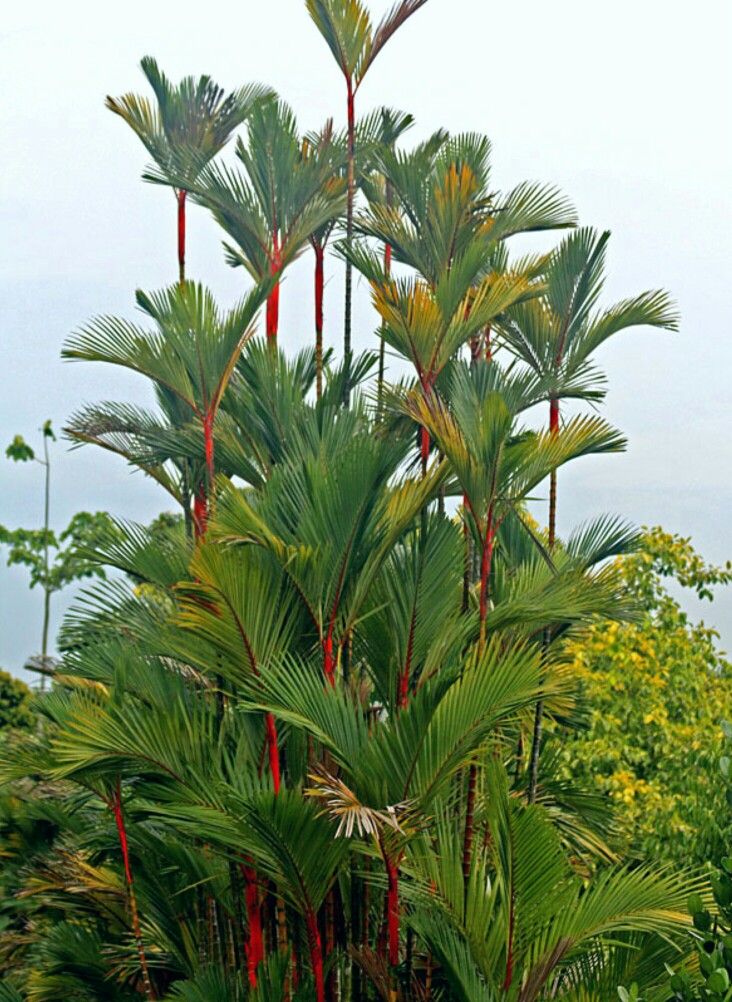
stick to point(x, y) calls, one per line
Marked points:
point(190, 123)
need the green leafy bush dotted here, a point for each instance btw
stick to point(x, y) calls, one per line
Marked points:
point(658, 694)
point(14, 703)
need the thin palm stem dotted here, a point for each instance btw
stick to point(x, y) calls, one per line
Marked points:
point(273, 300)
point(254, 946)
point(316, 953)
point(392, 910)
point(319, 291)
point(539, 712)
point(554, 429)
point(116, 805)
point(351, 198)
point(486, 562)
point(181, 198)
point(46, 582)
point(382, 338)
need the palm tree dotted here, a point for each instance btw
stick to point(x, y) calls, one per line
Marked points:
point(354, 43)
point(330, 516)
point(244, 606)
point(190, 356)
point(261, 411)
point(414, 621)
point(320, 147)
point(351, 777)
point(536, 933)
point(391, 126)
point(445, 212)
point(272, 208)
point(497, 464)
point(450, 230)
point(189, 124)
point(382, 127)
point(556, 336)
point(428, 324)
point(391, 779)
point(296, 849)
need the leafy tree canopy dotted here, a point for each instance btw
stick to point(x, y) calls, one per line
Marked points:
point(658, 695)
point(70, 548)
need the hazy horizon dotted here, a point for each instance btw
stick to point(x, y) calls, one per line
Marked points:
point(626, 110)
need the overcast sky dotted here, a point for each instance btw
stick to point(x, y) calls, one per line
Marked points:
point(624, 105)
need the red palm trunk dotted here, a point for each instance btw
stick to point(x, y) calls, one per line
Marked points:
point(116, 805)
point(407, 670)
point(319, 290)
point(273, 749)
point(181, 196)
point(554, 429)
point(200, 512)
point(273, 301)
point(208, 448)
point(392, 910)
point(424, 450)
point(469, 824)
point(329, 664)
point(201, 500)
point(254, 947)
point(270, 730)
point(486, 561)
point(316, 954)
point(404, 690)
point(554, 416)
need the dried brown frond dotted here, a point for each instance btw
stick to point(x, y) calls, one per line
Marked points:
point(343, 806)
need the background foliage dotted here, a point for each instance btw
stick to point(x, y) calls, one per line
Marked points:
point(658, 699)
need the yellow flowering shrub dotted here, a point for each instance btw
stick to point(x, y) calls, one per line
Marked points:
point(657, 695)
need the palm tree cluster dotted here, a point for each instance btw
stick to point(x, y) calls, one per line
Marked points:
point(300, 746)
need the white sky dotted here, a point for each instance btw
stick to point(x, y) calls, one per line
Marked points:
point(624, 105)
